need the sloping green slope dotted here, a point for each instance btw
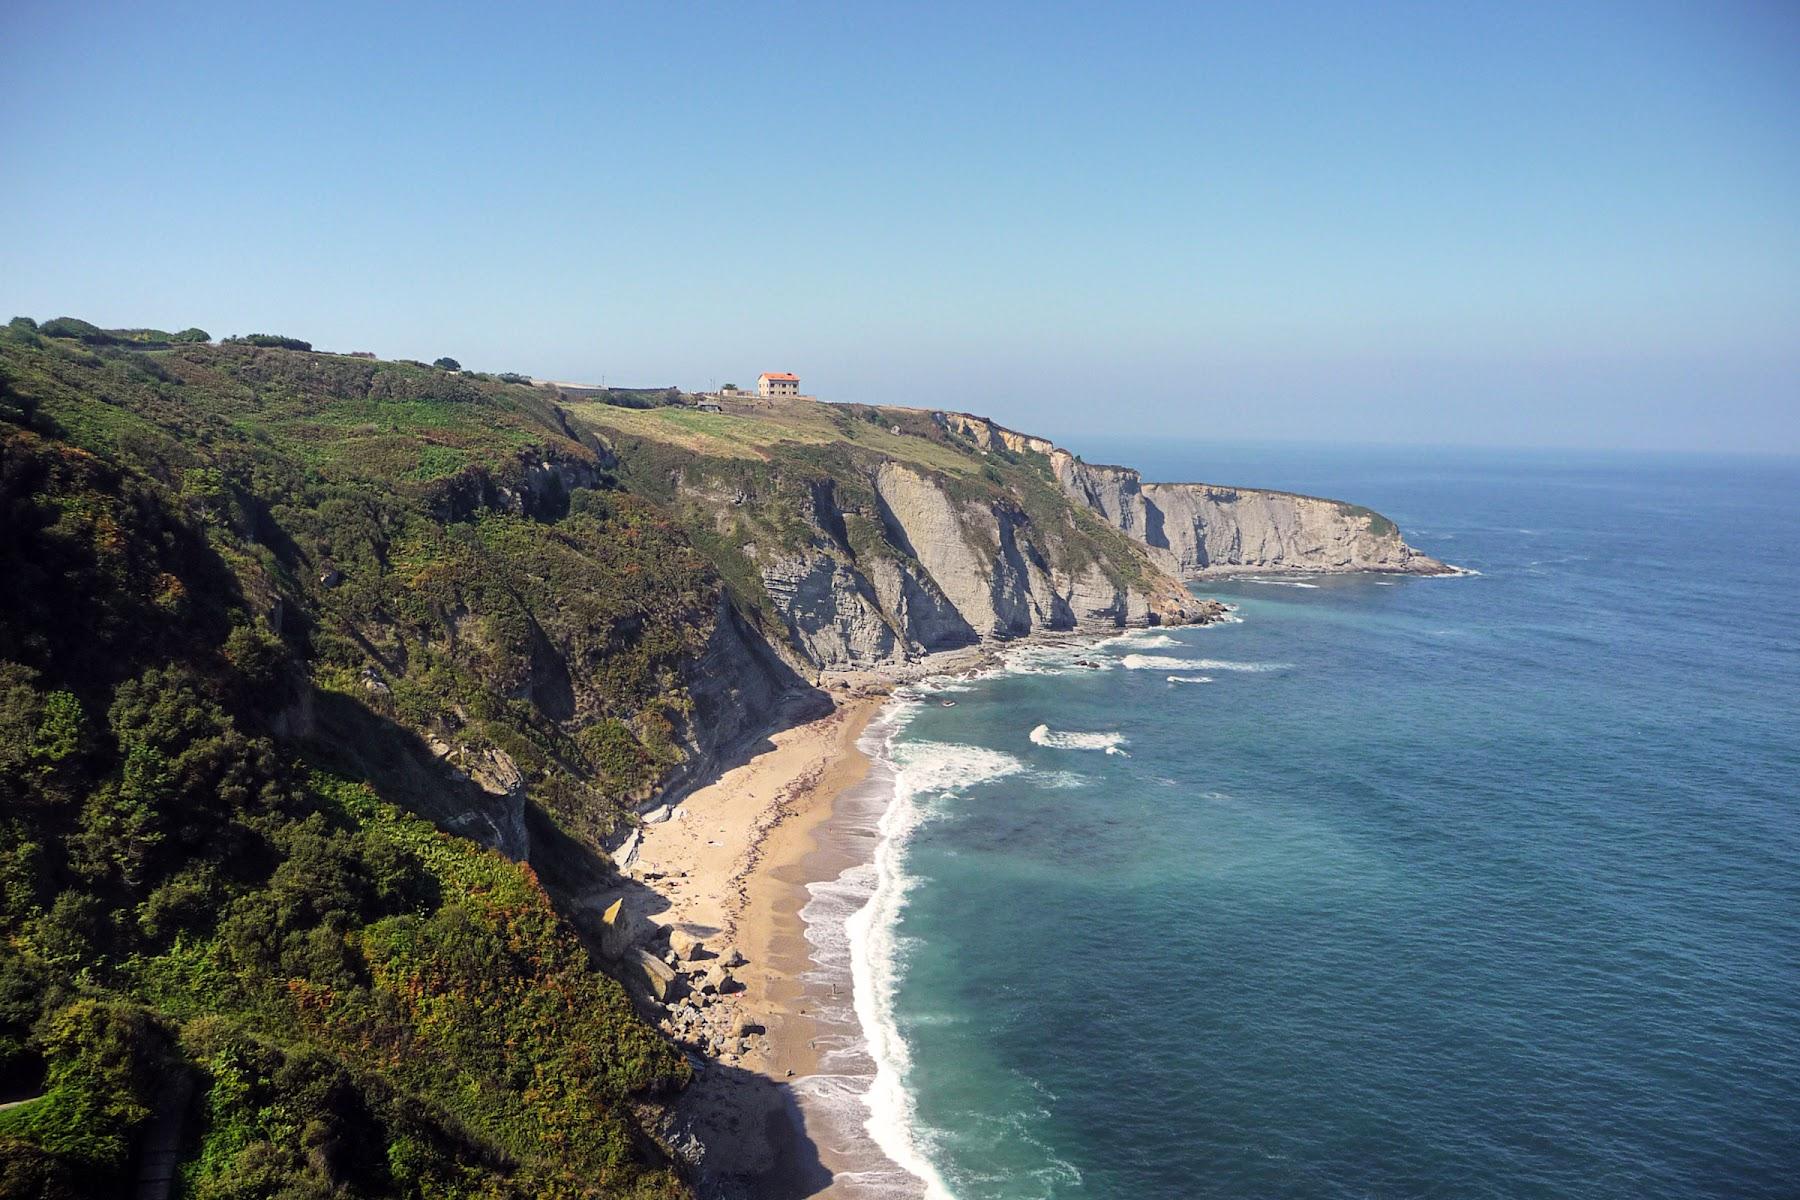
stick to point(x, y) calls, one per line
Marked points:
point(190, 540)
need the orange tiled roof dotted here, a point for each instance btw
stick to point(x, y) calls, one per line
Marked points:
point(785, 376)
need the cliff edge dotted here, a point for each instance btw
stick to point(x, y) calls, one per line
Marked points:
point(856, 537)
point(1194, 529)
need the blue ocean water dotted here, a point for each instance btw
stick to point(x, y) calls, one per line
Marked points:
point(1434, 887)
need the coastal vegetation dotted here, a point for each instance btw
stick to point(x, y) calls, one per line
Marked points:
point(198, 901)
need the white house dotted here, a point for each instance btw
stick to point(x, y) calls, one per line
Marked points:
point(771, 384)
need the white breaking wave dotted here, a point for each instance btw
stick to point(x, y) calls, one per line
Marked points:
point(1190, 679)
point(922, 770)
point(1280, 582)
point(1043, 735)
point(1143, 638)
point(1152, 662)
point(1164, 662)
point(1053, 660)
point(943, 768)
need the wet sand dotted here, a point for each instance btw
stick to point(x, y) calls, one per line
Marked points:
point(728, 864)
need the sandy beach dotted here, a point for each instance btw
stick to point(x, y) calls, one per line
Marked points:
point(732, 862)
point(726, 865)
point(730, 865)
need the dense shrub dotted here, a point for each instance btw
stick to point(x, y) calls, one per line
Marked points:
point(366, 1006)
point(271, 340)
point(73, 327)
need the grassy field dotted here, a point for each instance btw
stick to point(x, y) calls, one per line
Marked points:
point(752, 429)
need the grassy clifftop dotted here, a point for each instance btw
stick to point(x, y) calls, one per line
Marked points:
point(764, 429)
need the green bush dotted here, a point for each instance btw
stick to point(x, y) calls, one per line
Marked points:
point(73, 327)
point(271, 340)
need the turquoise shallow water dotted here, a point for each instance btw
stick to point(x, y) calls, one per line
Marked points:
point(1471, 887)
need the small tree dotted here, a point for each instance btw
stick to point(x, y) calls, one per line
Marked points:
point(447, 364)
point(62, 733)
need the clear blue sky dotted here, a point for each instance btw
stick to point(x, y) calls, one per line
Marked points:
point(1515, 224)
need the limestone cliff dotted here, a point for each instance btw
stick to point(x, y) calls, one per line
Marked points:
point(857, 535)
point(862, 536)
point(1196, 528)
point(915, 568)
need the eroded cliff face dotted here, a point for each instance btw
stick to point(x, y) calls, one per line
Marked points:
point(857, 536)
point(1197, 528)
point(893, 563)
point(1208, 528)
point(1000, 577)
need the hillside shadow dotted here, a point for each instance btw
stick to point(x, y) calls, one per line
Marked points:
point(750, 1133)
point(756, 1143)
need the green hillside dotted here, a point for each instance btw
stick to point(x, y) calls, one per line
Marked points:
point(235, 584)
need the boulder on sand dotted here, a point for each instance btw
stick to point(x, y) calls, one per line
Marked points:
point(686, 946)
point(622, 929)
point(656, 974)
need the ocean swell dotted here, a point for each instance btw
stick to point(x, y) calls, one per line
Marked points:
point(923, 772)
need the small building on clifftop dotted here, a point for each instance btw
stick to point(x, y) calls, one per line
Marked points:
point(771, 384)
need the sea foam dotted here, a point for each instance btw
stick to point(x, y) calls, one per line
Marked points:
point(923, 771)
point(1142, 639)
point(1043, 735)
point(1293, 583)
point(1165, 662)
point(1053, 660)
